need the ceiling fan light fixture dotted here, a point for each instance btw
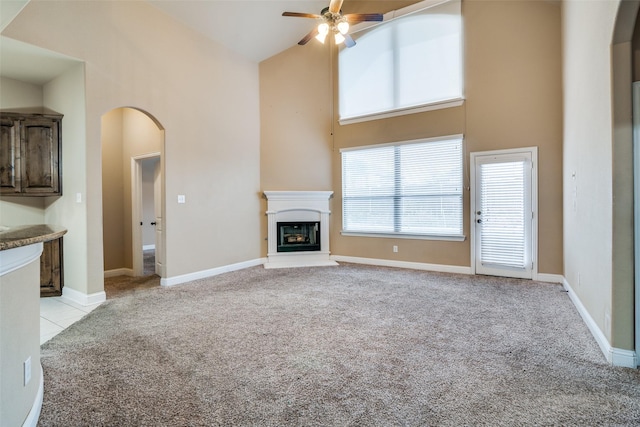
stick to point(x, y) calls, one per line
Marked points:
point(343, 27)
point(323, 29)
point(331, 20)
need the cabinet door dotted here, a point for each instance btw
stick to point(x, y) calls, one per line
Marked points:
point(40, 147)
point(51, 271)
point(9, 156)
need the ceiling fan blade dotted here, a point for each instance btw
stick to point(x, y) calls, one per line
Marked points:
point(354, 18)
point(308, 37)
point(335, 5)
point(349, 41)
point(301, 15)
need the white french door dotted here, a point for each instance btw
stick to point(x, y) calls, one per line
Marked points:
point(503, 205)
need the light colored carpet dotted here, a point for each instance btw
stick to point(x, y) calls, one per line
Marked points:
point(335, 346)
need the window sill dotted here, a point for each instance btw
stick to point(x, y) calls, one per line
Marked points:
point(456, 102)
point(449, 238)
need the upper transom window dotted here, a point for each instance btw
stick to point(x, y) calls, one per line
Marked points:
point(410, 63)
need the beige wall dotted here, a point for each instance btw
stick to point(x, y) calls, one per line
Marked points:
point(17, 95)
point(597, 170)
point(622, 280)
point(295, 132)
point(113, 191)
point(207, 100)
point(513, 99)
point(66, 94)
point(19, 340)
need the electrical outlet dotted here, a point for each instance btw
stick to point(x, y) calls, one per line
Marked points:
point(27, 370)
point(182, 198)
point(395, 248)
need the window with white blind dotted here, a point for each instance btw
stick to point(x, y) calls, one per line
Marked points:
point(411, 62)
point(409, 189)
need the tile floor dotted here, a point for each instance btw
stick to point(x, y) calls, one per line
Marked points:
point(58, 313)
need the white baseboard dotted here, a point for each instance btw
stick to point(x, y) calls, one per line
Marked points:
point(404, 264)
point(184, 278)
point(119, 272)
point(550, 278)
point(148, 247)
point(82, 298)
point(34, 413)
point(615, 356)
point(624, 358)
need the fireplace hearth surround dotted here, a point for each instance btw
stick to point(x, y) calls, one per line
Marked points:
point(298, 229)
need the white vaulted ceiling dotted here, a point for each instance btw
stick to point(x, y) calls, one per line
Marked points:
point(255, 29)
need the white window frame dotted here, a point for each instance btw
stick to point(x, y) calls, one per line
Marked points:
point(406, 235)
point(435, 105)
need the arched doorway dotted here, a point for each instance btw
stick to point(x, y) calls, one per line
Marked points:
point(626, 100)
point(131, 140)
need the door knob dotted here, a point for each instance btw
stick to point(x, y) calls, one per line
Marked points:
point(478, 221)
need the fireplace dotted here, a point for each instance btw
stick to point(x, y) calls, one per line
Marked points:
point(298, 236)
point(298, 229)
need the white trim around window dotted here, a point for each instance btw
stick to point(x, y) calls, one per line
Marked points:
point(408, 189)
point(404, 111)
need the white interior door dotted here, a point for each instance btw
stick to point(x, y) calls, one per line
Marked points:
point(503, 213)
point(157, 207)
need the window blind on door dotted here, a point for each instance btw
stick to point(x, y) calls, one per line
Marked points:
point(503, 214)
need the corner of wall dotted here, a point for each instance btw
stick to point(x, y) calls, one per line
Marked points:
point(615, 356)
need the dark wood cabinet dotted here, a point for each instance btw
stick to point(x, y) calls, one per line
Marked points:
point(30, 153)
point(51, 269)
point(9, 155)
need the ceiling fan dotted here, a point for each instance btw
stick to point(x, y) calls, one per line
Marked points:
point(333, 21)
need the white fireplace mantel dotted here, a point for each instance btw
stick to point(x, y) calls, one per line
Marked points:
point(298, 206)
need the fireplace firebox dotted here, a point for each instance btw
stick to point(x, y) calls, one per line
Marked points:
point(298, 236)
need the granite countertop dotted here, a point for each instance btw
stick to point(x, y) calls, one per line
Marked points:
point(24, 235)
